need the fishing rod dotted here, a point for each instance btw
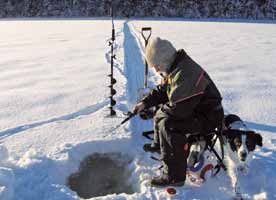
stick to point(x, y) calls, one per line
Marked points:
point(129, 116)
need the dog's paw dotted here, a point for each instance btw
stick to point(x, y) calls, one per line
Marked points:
point(244, 170)
point(238, 196)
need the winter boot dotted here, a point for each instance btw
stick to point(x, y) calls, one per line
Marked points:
point(168, 179)
point(153, 148)
point(165, 180)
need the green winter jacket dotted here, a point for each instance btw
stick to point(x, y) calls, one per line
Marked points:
point(188, 92)
point(186, 80)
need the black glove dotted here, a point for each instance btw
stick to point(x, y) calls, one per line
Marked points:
point(147, 114)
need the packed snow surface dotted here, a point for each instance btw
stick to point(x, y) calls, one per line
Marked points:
point(54, 100)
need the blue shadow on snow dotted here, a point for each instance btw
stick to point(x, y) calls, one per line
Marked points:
point(261, 127)
point(85, 111)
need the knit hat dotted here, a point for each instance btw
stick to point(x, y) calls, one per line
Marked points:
point(160, 52)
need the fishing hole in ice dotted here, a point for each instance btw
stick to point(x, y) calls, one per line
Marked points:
point(102, 174)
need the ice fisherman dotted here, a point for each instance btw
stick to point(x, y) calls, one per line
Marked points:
point(190, 104)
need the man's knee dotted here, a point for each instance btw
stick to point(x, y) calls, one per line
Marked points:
point(174, 139)
point(168, 126)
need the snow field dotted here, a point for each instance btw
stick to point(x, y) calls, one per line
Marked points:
point(54, 100)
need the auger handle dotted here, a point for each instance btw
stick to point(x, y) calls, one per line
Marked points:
point(145, 29)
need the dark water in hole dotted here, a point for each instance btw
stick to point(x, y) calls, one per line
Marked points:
point(101, 174)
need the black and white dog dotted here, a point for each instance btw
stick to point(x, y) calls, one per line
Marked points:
point(240, 142)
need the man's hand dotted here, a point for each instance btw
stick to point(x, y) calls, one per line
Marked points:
point(138, 108)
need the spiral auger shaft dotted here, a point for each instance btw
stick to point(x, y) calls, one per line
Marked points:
point(112, 79)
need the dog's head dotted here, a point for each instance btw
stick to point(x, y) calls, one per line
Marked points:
point(240, 139)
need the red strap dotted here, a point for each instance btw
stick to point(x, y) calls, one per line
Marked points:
point(183, 99)
point(186, 147)
point(200, 77)
point(204, 170)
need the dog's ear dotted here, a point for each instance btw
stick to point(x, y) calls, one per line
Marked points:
point(259, 139)
point(229, 119)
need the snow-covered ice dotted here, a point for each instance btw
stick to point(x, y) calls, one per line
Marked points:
point(54, 100)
